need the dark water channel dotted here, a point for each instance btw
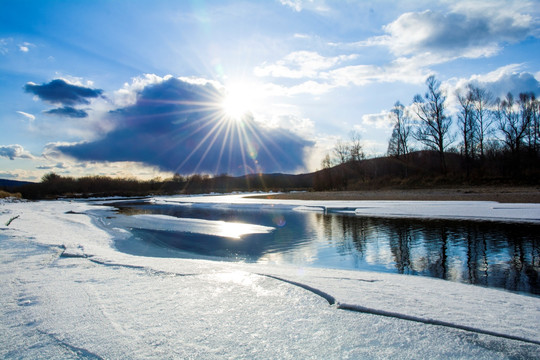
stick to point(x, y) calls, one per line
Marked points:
point(493, 254)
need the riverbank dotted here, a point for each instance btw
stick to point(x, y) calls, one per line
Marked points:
point(529, 195)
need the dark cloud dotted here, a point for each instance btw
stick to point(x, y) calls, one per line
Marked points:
point(13, 152)
point(60, 92)
point(179, 126)
point(51, 167)
point(511, 82)
point(68, 111)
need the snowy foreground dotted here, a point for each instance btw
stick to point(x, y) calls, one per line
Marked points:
point(66, 292)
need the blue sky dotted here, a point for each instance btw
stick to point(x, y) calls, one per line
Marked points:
point(149, 88)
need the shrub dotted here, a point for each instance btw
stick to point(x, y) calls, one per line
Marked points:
point(5, 194)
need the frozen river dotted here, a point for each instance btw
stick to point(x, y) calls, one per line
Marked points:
point(74, 284)
point(487, 253)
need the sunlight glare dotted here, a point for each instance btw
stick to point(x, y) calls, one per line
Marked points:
point(237, 101)
point(233, 230)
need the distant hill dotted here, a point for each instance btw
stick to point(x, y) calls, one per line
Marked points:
point(5, 183)
point(416, 169)
point(419, 169)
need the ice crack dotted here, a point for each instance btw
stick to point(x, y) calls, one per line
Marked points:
point(366, 310)
point(71, 254)
point(331, 300)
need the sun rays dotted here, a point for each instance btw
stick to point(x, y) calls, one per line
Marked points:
point(225, 126)
point(191, 126)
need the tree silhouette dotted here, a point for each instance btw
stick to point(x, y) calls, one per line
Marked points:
point(482, 115)
point(398, 144)
point(467, 126)
point(433, 124)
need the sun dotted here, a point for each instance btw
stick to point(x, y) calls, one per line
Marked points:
point(237, 101)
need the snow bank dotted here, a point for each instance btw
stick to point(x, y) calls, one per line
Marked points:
point(470, 210)
point(66, 292)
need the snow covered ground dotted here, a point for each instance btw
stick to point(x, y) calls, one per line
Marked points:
point(66, 292)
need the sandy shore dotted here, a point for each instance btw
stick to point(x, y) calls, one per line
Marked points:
point(499, 194)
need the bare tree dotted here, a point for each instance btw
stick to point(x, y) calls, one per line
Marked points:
point(467, 125)
point(528, 105)
point(433, 124)
point(356, 150)
point(326, 162)
point(482, 101)
point(351, 150)
point(535, 126)
point(398, 144)
point(512, 124)
point(341, 150)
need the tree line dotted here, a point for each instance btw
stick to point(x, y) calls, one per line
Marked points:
point(53, 185)
point(494, 137)
point(508, 127)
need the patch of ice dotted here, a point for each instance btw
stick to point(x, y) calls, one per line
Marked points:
point(305, 208)
point(199, 226)
point(158, 201)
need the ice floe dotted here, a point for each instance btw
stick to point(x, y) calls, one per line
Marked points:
point(198, 226)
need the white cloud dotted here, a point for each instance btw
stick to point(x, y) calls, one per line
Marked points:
point(294, 4)
point(381, 120)
point(324, 74)
point(298, 125)
point(470, 29)
point(4, 45)
point(423, 39)
point(419, 40)
point(310, 87)
point(27, 115)
point(15, 151)
point(324, 144)
point(22, 175)
point(299, 5)
point(25, 46)
point(510, 78)
point(8, 175)
point(408, 70)
point(301, 64)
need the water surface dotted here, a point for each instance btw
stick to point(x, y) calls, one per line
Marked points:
point(493, 254)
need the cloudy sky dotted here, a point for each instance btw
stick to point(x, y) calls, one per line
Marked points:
point(148, 88)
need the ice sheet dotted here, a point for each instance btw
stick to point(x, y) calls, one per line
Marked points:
point(471, 210)
point(198, 226)
point(66, 292)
